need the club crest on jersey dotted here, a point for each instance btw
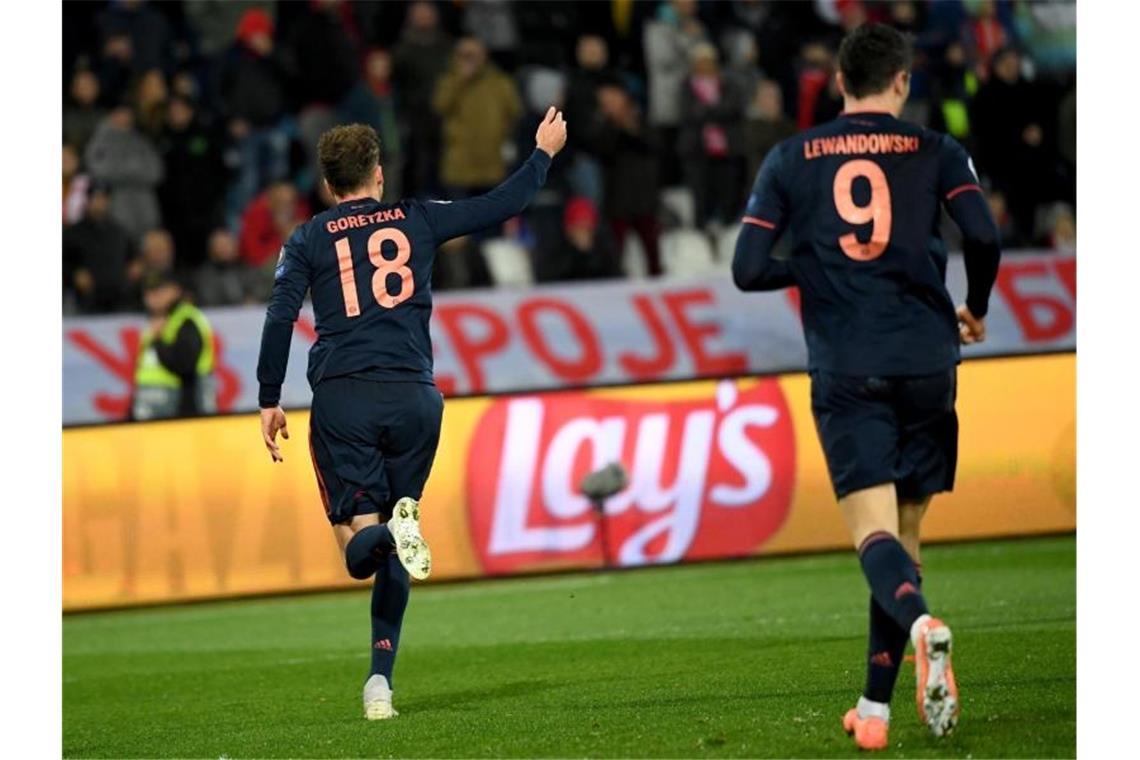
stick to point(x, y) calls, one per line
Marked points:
point(280, 268)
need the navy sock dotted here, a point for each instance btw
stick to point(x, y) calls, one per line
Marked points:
point(367, 550)
point(886, 645)
point(893, 578)
point(389, 600)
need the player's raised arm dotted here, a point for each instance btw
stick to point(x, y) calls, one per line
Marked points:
point(753, 267)
point(981, 245)
point(451, 219)
point(291, 282)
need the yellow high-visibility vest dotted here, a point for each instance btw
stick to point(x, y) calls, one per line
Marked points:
point(157, 389)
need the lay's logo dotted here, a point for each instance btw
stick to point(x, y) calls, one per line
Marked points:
point(708, 477)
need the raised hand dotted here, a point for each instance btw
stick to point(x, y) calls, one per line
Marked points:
point(551, 135)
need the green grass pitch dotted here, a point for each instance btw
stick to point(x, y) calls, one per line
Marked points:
point(753, 658)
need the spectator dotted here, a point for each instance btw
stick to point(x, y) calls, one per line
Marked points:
point(253, 103)
point(96, 252)
point(82, 114)
point(268, 222)
point(987, 34)
point(215, 21)
point(906, 16)
point(75, 186)
point(492, 22)
point(1049, 32)
point(1007, 229)
point(174, 374)
point(543, 29)
point(1009, 120)
point(711, 142)
point(319, 33)
point(145, 30)
point(195, 183)
point(591, 73)
point(156, 253)
point(150, 104)
point(669, 41)
point(953, 84)
point(586, 252)
point(631, 177)
point(478, 104)
point(817, 101)
point(224, 280)
point(372, 101)
point(742, 59)
point(420, 60)
point(1062, 226)
point(116, 68)
point(130, 166)
point(184, 85)
point(766, 125)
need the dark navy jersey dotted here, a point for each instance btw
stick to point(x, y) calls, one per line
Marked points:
point(368, 268)
point(860, 199)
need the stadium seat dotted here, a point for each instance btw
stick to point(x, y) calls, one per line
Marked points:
point(508, 263)
point(633, 258)
point(687, 253)
point(679, 202)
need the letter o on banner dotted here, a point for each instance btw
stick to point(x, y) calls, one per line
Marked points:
point(589, 360)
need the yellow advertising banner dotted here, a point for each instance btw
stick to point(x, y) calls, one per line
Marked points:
point(195, 509)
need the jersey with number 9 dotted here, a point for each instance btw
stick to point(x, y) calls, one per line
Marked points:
point(859, 201)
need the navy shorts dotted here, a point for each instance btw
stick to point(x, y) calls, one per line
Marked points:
point(900, 430)
point(372, 443)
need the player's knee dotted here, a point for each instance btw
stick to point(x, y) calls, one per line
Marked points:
point(358, 573)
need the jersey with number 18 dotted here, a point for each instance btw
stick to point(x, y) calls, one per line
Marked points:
point(368, 265)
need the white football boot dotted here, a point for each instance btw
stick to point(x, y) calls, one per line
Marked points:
point(411, 547)
point(378, 699)
point(937, 690)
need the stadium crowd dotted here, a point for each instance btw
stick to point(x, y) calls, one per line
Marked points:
point(190, 128)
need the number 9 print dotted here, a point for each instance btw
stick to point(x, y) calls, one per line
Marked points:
point(877, 211)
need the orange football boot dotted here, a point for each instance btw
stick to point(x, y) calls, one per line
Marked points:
point(936, 690)
point(870, 733)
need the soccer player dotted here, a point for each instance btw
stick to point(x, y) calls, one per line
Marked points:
point(376, 412)
point(859, 199)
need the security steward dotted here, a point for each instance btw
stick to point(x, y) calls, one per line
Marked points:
point(174, 376)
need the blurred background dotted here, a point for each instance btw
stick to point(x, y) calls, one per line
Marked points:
point(190, 128)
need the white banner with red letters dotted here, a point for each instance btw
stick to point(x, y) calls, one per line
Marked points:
point(614, 333)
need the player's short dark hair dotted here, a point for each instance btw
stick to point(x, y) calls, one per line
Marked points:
point(348, 155)
point(870, 56)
